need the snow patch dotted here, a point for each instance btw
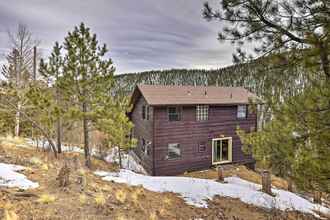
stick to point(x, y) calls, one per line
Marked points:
point(10, 177)
point(127, 159)
point(197, 191)
point(45, 145)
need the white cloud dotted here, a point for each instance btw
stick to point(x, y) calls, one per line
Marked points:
point(148, 35)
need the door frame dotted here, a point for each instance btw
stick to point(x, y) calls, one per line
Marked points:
point(230, 150)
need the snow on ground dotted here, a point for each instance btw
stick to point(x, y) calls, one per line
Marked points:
point(128, 161)
point(44, 144)
point(112, 156)
point(197, 191)
point(10, 177)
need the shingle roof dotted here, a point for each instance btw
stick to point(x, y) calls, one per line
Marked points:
point(185, 95)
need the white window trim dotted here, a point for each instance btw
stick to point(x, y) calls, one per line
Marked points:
point(230, 150)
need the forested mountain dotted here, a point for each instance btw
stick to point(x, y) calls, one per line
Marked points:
point(257, 76)
point(271, 83)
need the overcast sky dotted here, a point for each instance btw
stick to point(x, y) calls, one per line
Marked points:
point(141, 34)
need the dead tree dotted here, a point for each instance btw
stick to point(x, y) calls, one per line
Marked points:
point(19, 71)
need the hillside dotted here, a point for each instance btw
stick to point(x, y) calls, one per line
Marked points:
point(99, 198)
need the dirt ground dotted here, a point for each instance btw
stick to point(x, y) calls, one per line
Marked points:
point(240, 171)
point(98, 199)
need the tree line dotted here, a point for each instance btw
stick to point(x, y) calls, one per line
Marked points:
point(73, 87)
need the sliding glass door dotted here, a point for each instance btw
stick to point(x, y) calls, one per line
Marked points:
point(221, 150)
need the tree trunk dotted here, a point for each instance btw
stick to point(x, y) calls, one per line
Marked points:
point(86, 137)
point(266, 182)
point(119, 154)
point(325, 63)
point(59, 136)
point(17, 120)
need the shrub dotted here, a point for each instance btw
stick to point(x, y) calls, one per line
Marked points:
point(100, 200)
point(121, 196)
point(46, 198)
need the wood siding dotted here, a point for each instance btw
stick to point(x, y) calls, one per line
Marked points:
point(189, 133)
point(143, 129)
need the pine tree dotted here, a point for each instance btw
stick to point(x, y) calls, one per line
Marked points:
point(53, 71)
point(276, 27)
point(113, 121)
point(87, 77)
point(295, 144)
point(289, 34)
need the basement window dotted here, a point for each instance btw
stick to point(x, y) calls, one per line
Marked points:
point(202, 147)
point(241, 111)
point(173, 151)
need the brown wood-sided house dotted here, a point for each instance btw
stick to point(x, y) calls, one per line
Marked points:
point(184, 128)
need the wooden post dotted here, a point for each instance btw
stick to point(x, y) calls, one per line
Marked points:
point(290, 185)
point(220, 174)
point(317, 197)
point(266, 182)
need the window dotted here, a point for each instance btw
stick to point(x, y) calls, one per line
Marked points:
point(241, 111)
point(174, 113)
point(174, 151)
point(202, 147)
point(202, 112)
point(221, 150)
point(145, 112)
point(145, 146)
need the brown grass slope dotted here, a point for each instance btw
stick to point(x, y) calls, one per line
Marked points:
point(98, 199)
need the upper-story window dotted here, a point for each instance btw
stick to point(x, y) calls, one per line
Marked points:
point(174, 113)
point(241, 111)
point(145, 112)
point(202, 112)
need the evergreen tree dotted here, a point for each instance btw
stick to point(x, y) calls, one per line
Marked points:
point(53, 71)
point(276, 27)
point(295, 143)
point(87, 77)
point(113, 121)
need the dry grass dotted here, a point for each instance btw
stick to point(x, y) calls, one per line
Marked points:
point(46, 199)
point(240, 171)
point(101, 199)
point(121, 196)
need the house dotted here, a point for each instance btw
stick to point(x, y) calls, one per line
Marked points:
point(184, 128)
